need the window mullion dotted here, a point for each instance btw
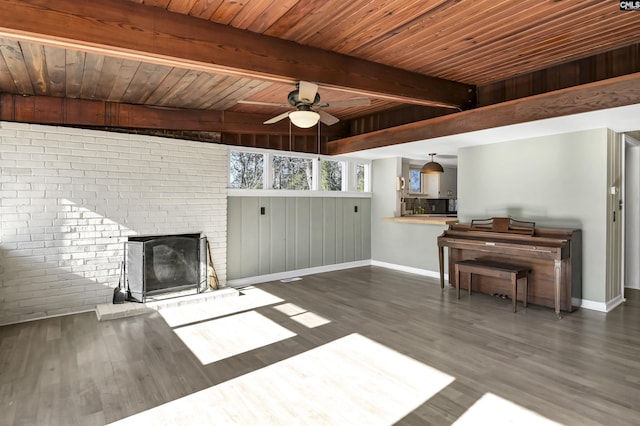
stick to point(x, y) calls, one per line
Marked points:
point(367, 177)
point(348, 176)
point(268, 174)
point(315, 174)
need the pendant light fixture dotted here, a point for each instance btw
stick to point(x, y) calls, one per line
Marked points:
point(432, 168)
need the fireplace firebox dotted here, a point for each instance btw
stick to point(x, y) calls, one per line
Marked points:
point(165, 265)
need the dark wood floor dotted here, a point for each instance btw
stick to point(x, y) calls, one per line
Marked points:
point(580, 370)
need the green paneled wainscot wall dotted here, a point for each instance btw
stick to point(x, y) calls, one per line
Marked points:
point(295, 233)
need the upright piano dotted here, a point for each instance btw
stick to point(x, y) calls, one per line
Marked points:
point(554, 256)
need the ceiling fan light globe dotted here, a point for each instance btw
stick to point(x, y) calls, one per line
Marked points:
point(304, 119)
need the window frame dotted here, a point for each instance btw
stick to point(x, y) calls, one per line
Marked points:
point(271, 175)
point(421, 180)
point(343, 174)
point(349, 175)
point(266, 167)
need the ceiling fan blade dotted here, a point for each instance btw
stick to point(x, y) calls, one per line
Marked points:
point(327, 118)
point(307, 92)
point(347, 103)
point(277, 118)
point(265, 104)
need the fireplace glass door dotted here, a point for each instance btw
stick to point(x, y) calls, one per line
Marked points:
point(165, 264)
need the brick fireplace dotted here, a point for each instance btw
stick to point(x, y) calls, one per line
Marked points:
point(71, 198)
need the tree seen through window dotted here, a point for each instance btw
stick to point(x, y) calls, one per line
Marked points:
point(246, 170)
point(292, 173)
point(331, 175)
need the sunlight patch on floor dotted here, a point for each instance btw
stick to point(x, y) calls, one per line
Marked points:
point(301, 315)
point(188, 314)
point(222, 338)
point(496, 411)
point(310, 320)
point(290, 309)
point(351, 381)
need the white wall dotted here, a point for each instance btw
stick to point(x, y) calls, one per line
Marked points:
point(632, 214)
point(69, 198)
point(403, 244)
point(556, 181)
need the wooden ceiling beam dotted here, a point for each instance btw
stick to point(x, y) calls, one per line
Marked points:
point(89, 113)
point(127, 29)
point(611, 93)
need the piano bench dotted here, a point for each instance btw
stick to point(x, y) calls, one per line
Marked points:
point(495, 270)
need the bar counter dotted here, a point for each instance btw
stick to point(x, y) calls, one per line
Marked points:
point(423, 219)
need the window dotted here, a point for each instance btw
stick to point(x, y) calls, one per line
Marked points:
point(257, 169)
point(246, 170)
point(361, 174)
point(331, 175)
point(292, 173)
point(415, 181)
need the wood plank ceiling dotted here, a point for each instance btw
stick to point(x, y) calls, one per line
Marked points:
point(182, 66)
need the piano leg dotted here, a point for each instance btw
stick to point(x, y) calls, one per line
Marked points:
point(441, 260)
point(557, 274)
point(514, 290)
point(457, 275)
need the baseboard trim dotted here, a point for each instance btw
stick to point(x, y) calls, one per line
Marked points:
point(602, 306)
point(583, 303)
point(243, 282)
point(615, 302)
point(409, 269)
point(593, 306)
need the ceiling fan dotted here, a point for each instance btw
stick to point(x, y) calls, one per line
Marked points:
point(306, 101)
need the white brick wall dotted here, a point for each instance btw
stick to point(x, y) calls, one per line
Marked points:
point(70, 197)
